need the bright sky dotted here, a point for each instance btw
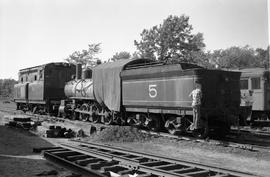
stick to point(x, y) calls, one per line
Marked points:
point(34, 32)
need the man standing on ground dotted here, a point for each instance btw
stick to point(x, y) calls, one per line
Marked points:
point(248, 102)
point(196, 95)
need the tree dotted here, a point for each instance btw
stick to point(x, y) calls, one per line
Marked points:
point(136, 55)
point(85, 57)
point(202, 58)
point(7, 87)
point(236, 57)
point(171, 40)
point(120, 55)
point(263, 56)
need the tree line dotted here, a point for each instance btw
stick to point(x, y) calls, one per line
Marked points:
point(173, 41)
point(7, 87)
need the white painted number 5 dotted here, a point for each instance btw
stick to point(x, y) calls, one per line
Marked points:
point(152, 90)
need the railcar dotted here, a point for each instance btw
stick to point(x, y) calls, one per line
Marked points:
point(41, 88)
point(255, 89)
point(154, 95)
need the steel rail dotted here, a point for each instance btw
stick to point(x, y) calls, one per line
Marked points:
point(204, 169)
point(252, 146)
point(49, 155)
point(89, 164)
point(259, 133)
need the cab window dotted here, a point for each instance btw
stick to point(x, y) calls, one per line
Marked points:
point(255, 83)
point(244, 84)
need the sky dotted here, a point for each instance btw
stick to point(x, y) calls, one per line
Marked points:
point(35, 32)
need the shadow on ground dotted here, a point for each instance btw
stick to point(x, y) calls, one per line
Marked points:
point(17, 157)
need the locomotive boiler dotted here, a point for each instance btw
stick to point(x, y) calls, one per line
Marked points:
point(82, 86)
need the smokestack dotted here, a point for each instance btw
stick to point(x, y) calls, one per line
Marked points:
point(78, 71)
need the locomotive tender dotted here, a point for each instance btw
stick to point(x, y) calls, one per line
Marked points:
point(152, 95)
point(40, 88)
point(164, 92)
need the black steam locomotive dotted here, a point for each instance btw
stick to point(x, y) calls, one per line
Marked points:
point(136, 92)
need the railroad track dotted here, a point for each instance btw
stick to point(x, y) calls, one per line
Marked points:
point(231, 141)
point(257, 132)
point(94, 159)
point(228, 142)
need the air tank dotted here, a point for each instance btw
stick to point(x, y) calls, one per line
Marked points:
point(82, 88)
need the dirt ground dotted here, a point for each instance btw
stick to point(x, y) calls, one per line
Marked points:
point(17, 158)
point(255, 162)
point(15, 142)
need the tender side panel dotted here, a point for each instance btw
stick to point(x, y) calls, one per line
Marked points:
point(21, 92)
point(36, 91)
point(165, 92)
point(28, 89)
point(36, 87)
point(158, 89)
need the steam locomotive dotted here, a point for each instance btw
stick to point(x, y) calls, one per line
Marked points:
point(138, 92)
